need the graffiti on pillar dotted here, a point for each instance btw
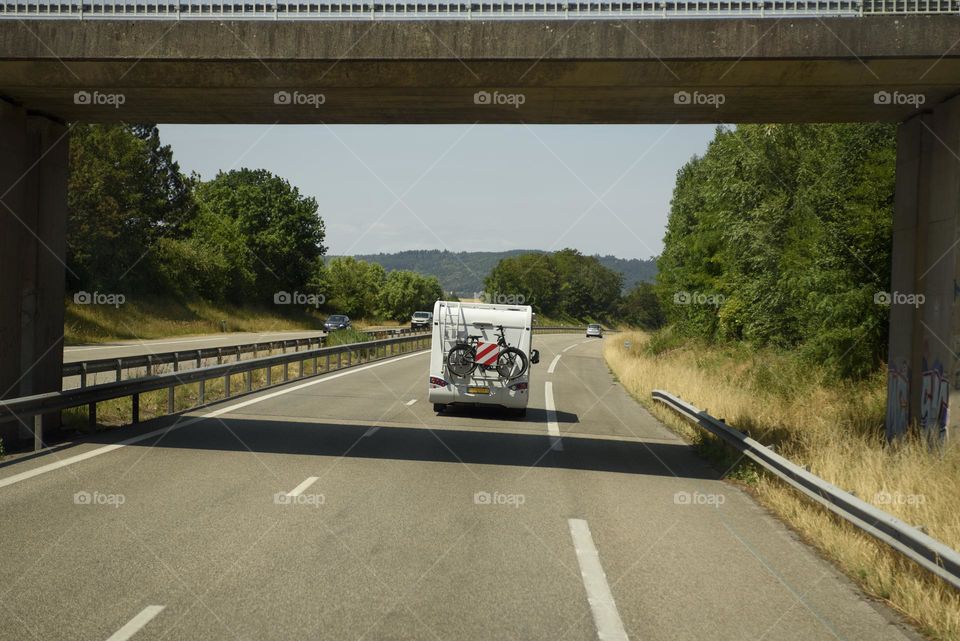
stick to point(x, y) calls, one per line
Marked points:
point(934, 397)
point(898, 399)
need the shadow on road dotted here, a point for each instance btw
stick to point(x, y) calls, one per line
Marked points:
point(438, 445)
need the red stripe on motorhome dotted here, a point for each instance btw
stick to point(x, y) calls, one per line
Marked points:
point(487, 353)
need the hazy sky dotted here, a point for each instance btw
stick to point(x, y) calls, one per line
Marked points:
point(600, 189)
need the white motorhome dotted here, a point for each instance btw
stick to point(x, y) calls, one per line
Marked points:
point(488, 336)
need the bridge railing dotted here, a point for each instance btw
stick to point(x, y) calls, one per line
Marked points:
point(148, 364)
point(909, 541)
point(209, 9)
point(28, 410)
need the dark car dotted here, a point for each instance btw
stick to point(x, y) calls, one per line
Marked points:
point(337, 321)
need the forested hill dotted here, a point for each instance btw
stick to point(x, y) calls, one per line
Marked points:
point(463, 272)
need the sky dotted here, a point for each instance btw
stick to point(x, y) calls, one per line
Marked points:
point(385, 188)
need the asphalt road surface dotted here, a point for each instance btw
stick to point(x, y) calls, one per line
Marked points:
point(343, 508)
point(120, 349)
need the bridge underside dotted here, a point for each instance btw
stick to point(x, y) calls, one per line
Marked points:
point(573, 71)
point(904, 69)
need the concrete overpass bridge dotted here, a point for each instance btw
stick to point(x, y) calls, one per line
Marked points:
point(508, 63)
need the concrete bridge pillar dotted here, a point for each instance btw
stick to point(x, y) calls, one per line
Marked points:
point(33, 217)
point(923, 381)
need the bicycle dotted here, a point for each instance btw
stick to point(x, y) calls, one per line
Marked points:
point(462, 358)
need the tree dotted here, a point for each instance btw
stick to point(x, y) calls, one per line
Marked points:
point(640, 307)
point(405, 292)
point(352, 286)
point(125, 193)
point(779, 235)
point(281, 229)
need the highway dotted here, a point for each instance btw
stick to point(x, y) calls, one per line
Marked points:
point(343, 508)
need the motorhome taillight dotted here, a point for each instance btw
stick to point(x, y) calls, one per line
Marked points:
point(517, 387)
point(437, 382)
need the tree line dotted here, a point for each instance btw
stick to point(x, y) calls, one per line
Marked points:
point(779, 235)
point(136, 224)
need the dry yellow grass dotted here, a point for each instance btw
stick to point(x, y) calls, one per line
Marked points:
point(836, 429)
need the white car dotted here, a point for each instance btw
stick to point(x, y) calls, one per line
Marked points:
point(594, 329)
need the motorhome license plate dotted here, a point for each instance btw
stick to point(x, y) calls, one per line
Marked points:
point(478, 390)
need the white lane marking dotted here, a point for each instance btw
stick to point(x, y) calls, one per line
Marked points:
point(604, 608)
point(553, 364)
point(553, 428)
point(570, 347)
point(43, 469)
point(136, 623)
point(297, 491)
point(411, 401)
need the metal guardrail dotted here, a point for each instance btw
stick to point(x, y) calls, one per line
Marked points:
point(34, 407)
point(196, 357)
point(906, 539)
point(209, 9)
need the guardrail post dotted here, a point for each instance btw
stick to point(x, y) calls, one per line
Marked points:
point(171, 404)
point(269, 375)
point(199, 359)
point(219, 356)
point(303, 364)
point(248, 380)
point(176, 361)
point(286, 373)
point(339, 360)
point(203, 391)
point(136, 409)
point(149, 364)
point(226, 385)
point(37, 432)
point(92, 415)
point(83, 375)
point(119, 370)
point(255, 345)
point(316, 364)
point(349, 358)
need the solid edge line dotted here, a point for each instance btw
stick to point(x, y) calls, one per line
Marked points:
point(50, 467)
point(135, 624)
point(606, 618)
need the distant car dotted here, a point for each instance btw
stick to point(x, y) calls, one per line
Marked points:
point(421, 320)
point(337, 321)
point(594, 330)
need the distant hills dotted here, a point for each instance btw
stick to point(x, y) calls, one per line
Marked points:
point(463, 272)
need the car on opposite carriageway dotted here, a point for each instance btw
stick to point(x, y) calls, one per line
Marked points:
point(337, 321)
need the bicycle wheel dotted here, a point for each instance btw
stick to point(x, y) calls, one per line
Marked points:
point(461, 360)
point(512, 363)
